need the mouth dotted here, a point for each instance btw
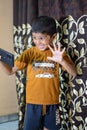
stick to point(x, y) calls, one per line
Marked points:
point(42, 47)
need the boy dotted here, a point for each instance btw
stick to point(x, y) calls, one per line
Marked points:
point(42, 85)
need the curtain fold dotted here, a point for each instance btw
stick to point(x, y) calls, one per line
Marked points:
point(71, 16)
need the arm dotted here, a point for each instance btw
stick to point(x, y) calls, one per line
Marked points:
point(70, 67)
point(8, 70)
point(58, 56)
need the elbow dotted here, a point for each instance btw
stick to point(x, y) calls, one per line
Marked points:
point(74, 74)
point(8, 73)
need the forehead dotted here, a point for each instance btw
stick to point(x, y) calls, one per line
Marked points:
point(39, 34)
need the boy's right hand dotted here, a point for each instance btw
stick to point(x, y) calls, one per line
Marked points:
point(57, 53)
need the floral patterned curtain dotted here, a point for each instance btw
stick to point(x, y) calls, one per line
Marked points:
point(22, 17)
point(71, 16)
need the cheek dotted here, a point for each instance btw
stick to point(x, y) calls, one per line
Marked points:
point(48, 42)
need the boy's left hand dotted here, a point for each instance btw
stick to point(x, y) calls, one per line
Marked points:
point(57, 53)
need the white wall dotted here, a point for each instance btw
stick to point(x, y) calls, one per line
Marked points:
point(8, 97)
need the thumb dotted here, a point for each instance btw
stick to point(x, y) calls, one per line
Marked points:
point(49, 58)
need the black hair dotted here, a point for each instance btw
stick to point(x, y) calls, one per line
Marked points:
point(44, 24)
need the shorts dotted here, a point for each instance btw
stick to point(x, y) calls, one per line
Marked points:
point(39, 116)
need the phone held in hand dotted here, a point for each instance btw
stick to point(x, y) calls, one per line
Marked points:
point(7, 57)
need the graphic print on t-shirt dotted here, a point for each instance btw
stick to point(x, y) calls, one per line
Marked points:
point(44, 69)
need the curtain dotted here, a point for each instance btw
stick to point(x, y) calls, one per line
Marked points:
point(71, 16)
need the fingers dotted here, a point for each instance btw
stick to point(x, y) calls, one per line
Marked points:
point(55, 48)
point(49, 58)
point(63, 50)
point(59, 46)
point(50, 48)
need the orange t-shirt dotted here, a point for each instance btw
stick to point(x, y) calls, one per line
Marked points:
point(42, 84)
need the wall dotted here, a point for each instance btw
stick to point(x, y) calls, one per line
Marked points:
point(8, 97)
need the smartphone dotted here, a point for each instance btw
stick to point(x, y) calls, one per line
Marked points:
point(7, 57)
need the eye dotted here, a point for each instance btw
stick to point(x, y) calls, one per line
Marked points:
point(34, 38)
point(42, 38)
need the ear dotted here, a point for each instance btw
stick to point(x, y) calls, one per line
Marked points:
point(54, 38)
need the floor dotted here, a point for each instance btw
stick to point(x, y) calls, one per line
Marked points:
point(9, 125)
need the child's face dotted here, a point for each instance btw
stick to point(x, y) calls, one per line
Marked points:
point(41, 40)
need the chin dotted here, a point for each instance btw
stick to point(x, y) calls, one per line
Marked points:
point(42, 49)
